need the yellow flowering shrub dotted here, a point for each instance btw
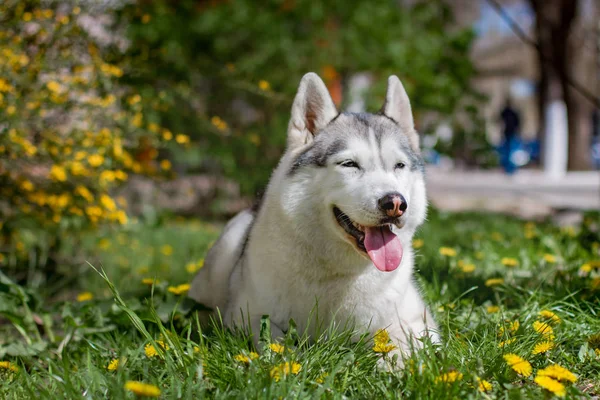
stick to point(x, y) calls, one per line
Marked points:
point(71, 131)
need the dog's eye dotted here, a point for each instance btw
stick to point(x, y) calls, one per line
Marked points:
point(349, 164)
point(400, 165)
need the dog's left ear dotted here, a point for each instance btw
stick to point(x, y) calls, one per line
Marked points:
point(397, 107)
point(312, 110)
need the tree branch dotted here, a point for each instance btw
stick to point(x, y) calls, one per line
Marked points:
point(518, 31)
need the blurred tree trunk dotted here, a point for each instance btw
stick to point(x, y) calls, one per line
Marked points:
point(554, 24)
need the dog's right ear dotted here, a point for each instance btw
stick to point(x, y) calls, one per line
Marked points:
point(313, 109)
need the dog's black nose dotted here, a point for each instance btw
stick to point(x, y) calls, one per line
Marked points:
point(393, 204)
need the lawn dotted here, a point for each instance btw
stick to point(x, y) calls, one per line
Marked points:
point(513, 299)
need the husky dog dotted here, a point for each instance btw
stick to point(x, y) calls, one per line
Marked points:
point(334, 230)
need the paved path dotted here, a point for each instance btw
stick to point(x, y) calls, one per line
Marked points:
point(528, 193)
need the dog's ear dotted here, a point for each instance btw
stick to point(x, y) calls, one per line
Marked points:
point(313, 109)
point(397, 107)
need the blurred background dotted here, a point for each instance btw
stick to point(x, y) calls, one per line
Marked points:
point(118, 115)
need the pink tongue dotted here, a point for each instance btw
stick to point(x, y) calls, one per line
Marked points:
point(384, 248)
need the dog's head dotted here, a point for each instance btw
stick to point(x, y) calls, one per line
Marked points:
point(360, 174)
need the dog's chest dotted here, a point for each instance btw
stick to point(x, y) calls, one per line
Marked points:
point(360, 301)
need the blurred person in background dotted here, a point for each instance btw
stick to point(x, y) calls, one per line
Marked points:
point(596, 138)
point(512, 122)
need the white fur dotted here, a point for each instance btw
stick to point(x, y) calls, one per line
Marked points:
point(297, 255)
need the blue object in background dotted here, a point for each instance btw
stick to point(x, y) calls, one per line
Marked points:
point(507, 150)
point(595, 150)
point(515, 153)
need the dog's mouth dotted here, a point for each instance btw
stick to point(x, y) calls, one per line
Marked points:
point(379, 243)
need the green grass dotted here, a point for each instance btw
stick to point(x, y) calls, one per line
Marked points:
point(62, 346)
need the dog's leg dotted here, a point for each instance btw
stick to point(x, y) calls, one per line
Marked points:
point(210, 287)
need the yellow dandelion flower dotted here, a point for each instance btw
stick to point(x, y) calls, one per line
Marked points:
point(277, 348)
point(142, 389)
point(151, 351)
point(542, 347)
point(84, 296)
point(494, 282)
point(150, 281)
point(284, 369)
point(518, 364)
point(449, 377)
point(483, 385)
point(8, 366)
point(190, 267)
point(179, 289)
point(509, 262)
point(467, 268)
point(146, 18)
point(550, 316)
point(557, 372)
point(492, 309)
point(246, 358)
point(448, 251)
point(95, 160)
point(242, 358)
point(550, 258)
point(551, 385)
point(113, 365)
point(585, 269)
point(382, 342)
point(381, 336)
point(543, 328)
point(166, 250)
point(418, 243)
point(512, 328)
point(264, 85)
point(383, 348)
point(321, 378)
point(506, 342)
